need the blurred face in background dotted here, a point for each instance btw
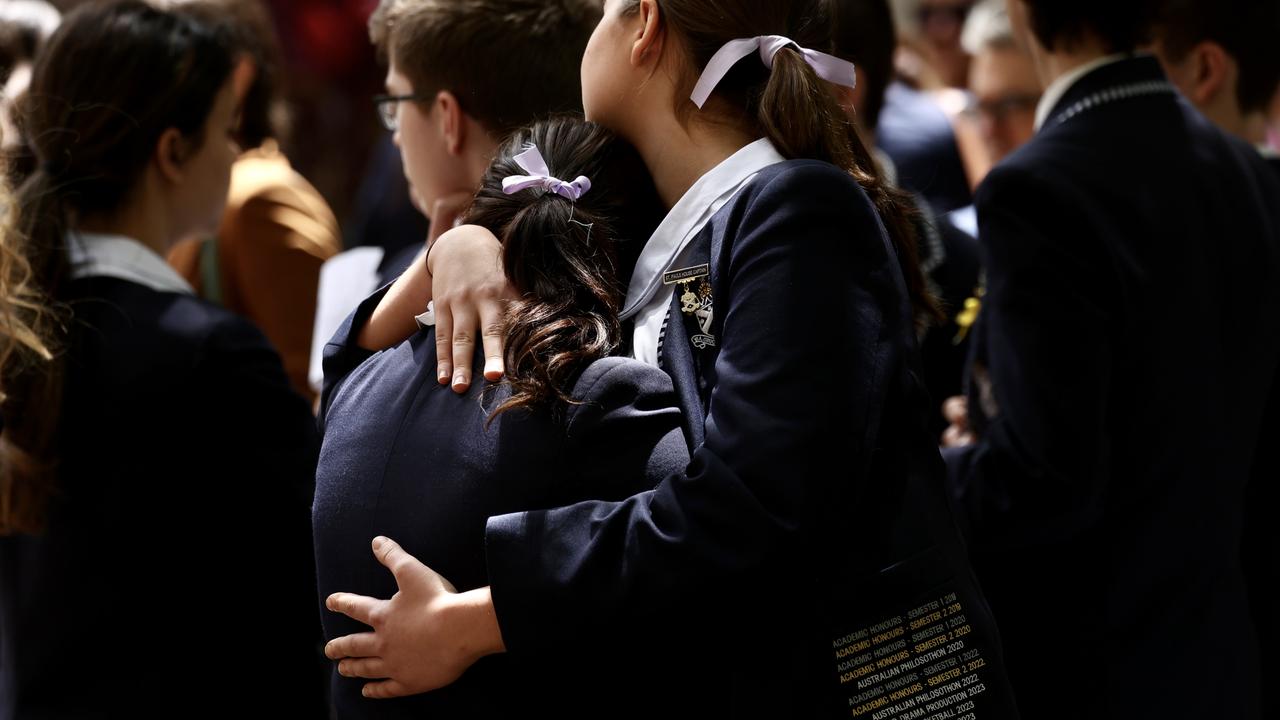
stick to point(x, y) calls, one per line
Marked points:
point(941, 24)
point(1005, 90)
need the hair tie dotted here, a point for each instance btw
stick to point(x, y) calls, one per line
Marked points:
point(828, 67)
point(531, 161)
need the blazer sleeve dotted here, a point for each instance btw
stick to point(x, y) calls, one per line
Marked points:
point(342, 353)
point(1038, 474)
point(750, 491)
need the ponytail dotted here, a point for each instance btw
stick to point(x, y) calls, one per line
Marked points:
point(559, 256)
point(793, 107)
point(800, 115)
point(562, 255)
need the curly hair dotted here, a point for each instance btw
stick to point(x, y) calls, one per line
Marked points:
point(569, 260)
point(29, 343)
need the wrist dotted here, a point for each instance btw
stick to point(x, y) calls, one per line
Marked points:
point(431, 250)
point(426, 257)
point(477, 624)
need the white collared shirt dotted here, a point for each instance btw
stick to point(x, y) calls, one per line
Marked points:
point(1268, 152)
point(117, 256)
point(647, 297)
point(1061, 86)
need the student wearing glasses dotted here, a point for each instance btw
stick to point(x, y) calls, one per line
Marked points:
point(1004, 83)
point(448, 116)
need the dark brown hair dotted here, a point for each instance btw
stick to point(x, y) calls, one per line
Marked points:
point(570, 261)
point(790, 105)
point(1120, 25)
point(508, 62)
point(865, 36)
point(1246, 29)
point(112, 79)
point(263, 113)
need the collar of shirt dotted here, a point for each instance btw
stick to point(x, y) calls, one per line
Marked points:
point(690, 214)
point(645, 300)
point(117, 256)
point(1060, 87)
point(1268, 152)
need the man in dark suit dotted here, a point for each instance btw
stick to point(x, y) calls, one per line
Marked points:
point(1124, 357)
point(1221, 56)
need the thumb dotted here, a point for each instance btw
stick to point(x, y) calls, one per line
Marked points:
point(956, 411)
point(409, 572)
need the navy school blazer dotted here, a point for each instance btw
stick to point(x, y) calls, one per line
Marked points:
point(807, 556)
point(184, 483)
point(1125, 352)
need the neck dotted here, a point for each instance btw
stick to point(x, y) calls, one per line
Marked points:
point(1253, 128)
point(1224, 111)
point(1053, 65)
point(135, 221)
point(677, 154)
point(479, 153)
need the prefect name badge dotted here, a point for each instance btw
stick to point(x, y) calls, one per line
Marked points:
point(695, 301)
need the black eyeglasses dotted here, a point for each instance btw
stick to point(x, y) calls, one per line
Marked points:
point(998, 109)
point(388, 108)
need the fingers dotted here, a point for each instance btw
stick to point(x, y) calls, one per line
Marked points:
point(360, 645)
point(356, 607)
point(493, 324)
point(385, 690)
point(366, 667)
point(470, 290)
point(444, 340)
point(445, 584)
point(465, 325)
point(401, 564)
point(956, 411)
point(954, 437)
point(958, 434)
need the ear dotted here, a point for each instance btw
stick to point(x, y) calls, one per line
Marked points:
point(648, 36)
point(1213, 70)
point(171, 155)
point(450, 121)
